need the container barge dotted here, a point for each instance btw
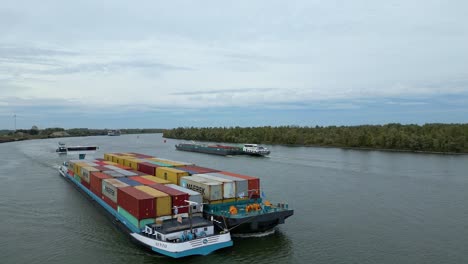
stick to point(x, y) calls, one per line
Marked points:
point(224, 150)
point(230, 198)
point(168, 222)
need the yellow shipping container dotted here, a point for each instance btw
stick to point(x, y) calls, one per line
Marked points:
point(128, 154)
point(111, 163)
point(115, 158)
point(78, 166)
point(170, 174)
point(170, 162)
point(163, 200)
point(132, 163)
point(156, 179)
point(108, 156)
point(119, 160)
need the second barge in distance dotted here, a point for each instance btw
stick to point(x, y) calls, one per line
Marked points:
point(224, 150)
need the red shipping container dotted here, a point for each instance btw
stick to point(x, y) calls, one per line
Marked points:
point(147, 168)
point(71, 173)
point(142, 180)
point(85, 184)
point(253, 183)
point(98, 193)
point(100, 163)
point(178, 197)
point(96, 182)
point(100, 159)
point(109, 201)
point(192, 169)
point(136, 202)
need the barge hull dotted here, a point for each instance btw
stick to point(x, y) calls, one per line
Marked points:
point(252, 224)
point(193, 248)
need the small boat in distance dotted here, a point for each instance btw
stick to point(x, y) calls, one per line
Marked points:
point(114, 132)
point(254, 149)
point(63, 149)
point(224, 150)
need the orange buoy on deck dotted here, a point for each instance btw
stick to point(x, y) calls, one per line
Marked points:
point(232, 210)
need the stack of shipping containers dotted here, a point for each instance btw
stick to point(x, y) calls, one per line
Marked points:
point(143, 188)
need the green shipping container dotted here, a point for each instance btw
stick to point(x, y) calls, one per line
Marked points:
point(131, 219)
point(160, 164)
point(78, 178)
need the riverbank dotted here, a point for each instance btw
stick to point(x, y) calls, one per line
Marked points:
point(35, 133)
point(432, 138)
point(13, 139)
point(386, 150)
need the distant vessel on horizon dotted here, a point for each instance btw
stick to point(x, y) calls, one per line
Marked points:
point(81, 150)
point(114, 132)
point(223, 150)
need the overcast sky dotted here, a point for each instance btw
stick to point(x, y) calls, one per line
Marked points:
point(118, 64)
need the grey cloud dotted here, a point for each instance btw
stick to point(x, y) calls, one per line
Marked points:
point(55, 60)
point(8, 86)
point(113, 67)
point(14, 58)
point(23, 51)
point(34, 55)
point(225, 91)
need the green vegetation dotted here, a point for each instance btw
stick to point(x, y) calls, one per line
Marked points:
point(36, 133)
point(429, 137)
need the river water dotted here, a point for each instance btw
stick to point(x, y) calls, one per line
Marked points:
point(350, 206)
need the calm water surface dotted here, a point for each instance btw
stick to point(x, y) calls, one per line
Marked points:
point(350, 206)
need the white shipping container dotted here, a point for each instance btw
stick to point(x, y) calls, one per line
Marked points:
point(111, 167)
point(193, 196)
point(210, 190)
point(126, 173)
point(229, 186)
point(114, 174)
point(85, 173)
point(109, 188)
point(71, 164)
point(242, 185)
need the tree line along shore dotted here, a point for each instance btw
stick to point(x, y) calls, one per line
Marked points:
point(443, 138)
point(36, 133)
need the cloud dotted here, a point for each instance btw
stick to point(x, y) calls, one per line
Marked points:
point(112, 67)
point(406, 103)
point(225, 91)
point(292, 56)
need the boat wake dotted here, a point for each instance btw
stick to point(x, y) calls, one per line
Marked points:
point(249, 235)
